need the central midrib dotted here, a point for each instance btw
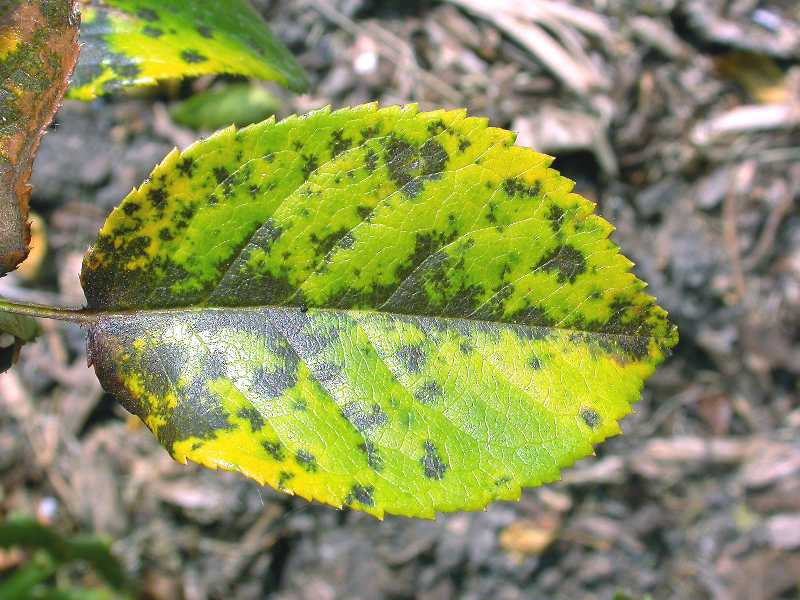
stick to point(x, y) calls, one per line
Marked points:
point(101, 315)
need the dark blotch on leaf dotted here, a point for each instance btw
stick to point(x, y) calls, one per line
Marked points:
point(147, 14)
point(186, 167)
point(339, 143)
point(412, 357)
point(157, 197)
point(205, 32)
point(432, 463)
point(429, 392)
point(371, 161)
point(567, 261)
point(374, 459)
point(283, 478)
point(306, 460)
point(554, 215)
point(410, 167)
point(362, 494)
point(130, 208)
point(253, 416)
point(590, 417)
point(153, 32)
point(310, 164)
point(193, 57)
point(275, 450)
point(517, 187)
point(221, 174)
point(362, 420)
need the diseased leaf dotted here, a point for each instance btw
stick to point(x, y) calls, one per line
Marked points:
point(396, 311)
point(15, 332)
point(139, 42)
point(236, 104)
point(38, 50)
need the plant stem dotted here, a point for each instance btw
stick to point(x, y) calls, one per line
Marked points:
point(48, 312)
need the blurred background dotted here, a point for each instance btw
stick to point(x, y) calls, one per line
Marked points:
point(679, 118)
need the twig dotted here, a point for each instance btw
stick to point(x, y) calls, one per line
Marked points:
point(767, 238)
point(575, 70)
point(730, 212)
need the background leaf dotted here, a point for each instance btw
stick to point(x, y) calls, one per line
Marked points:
point(15, 332)
point(38, 50)
point(56, 551)
point(238, 104)
point(397, 311)
point(138, 42)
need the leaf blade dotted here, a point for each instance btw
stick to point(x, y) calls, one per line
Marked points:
point(38, 50)
point(139, 42)
point(434, 381)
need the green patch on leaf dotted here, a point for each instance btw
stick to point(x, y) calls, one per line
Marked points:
point(395, 311)
point(139, 42)
point(38, 50)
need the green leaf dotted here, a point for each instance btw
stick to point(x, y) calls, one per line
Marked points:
point(38, 50)
point(15, 332)
point(28, 533)
point(397, 311)
point(238, 104)
point(139, 42)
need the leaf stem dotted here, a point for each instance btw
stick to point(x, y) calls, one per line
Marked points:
point(73, 315)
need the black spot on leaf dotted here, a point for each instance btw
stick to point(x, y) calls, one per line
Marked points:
point(186, 166)
point(412, 357)
point(374, 459)
point(157, 197)
point(516, 187)
point(147, 14)
point(310, 164)
point(339, 143)
point(429, 392)
point(283, 478)
point(130, 208)
point(432, 463)
point(362, 420)
point(193, 57)
point(306, 460)
point(153, 32)
point(205, 32)
point(554, 215)
point(566, 261)
point(371, 161)
point(253, 416)
point(275, 450)
point(362, 494)
point(590, 417)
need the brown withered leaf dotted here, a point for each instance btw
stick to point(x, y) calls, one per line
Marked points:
point(38, 51)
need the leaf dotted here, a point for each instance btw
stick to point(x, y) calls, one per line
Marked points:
point(238, 104)
point(38, 50)
point(15, 332)
point(397, 311)
point(139, 42)
point(28, 533)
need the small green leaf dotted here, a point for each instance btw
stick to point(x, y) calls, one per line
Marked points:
point(38, 50)
point(27, 533)
point(238, 104)
point(15, 332)
point(139, 42)
point(396, 311)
